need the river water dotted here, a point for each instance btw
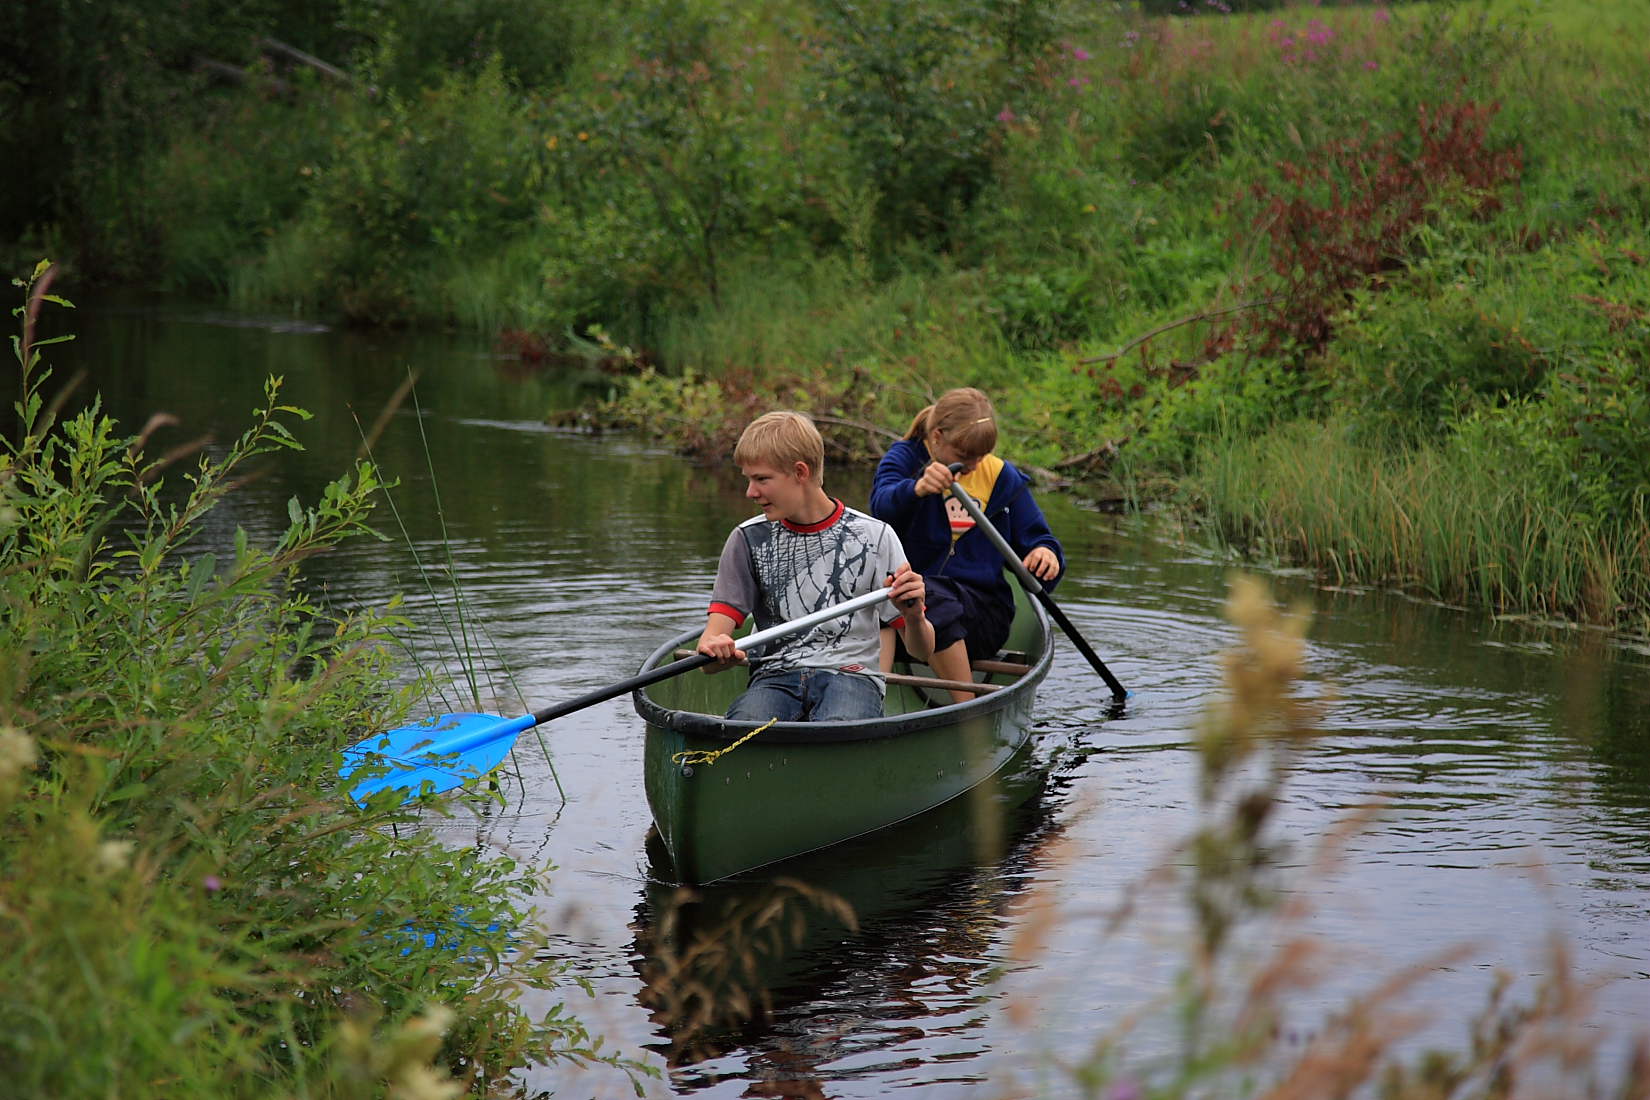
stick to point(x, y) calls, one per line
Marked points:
point(1510, 759)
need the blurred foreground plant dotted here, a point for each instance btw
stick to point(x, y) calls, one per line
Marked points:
point(1232, 1007)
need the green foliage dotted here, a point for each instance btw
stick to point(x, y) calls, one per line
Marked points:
point(425, 42)
point(1394, 200)
point(189, 904)
point(244, 174)
point(1471, 324)
point(676, 121)
point(912, 86)
point(409, 184)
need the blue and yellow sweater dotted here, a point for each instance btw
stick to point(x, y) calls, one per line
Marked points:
point(925, 528)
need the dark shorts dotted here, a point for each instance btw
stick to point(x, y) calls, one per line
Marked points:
point(959, 610)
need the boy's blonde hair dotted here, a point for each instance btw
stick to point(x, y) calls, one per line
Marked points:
point(966, 419)
point(780, 439)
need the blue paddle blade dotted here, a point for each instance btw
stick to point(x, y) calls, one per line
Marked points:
point(445, 751)
point(458, 935)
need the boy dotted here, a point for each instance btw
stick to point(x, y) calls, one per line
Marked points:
point(805, 552)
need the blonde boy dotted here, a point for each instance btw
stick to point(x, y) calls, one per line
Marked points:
point(805, 552)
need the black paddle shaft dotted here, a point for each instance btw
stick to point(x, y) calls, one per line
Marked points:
point(613, 691)
point(1032, 584)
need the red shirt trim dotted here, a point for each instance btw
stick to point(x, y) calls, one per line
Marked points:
point(729, 610)
point(815, 528)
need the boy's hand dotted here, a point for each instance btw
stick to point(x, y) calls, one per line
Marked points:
point(722, 647)
point(908, 593)
point(937, 478)
point(1042, 563)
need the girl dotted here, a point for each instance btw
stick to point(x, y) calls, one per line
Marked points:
point(969, 599)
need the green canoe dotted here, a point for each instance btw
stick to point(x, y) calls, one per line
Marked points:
point(800, 786)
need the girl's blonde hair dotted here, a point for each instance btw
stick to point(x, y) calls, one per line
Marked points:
point(966, 419)
point(780, 439)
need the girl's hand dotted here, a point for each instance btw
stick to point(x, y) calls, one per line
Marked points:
point(937, 478)
point(1042, 563)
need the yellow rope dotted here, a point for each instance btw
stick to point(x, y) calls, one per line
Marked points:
point(696, 756)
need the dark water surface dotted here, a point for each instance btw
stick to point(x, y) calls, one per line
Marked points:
point(1513, 759)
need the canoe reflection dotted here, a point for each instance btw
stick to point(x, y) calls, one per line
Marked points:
point(823, 956)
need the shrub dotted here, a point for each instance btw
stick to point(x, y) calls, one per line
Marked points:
point(914, 88)
point(1349, 211)
point(409, 185)
point(190, 905)
point(1470, 325)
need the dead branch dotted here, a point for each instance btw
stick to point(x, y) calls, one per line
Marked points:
point(276, 48)
point(1161, 329)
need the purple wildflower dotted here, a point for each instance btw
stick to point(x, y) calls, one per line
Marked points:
point(212, 884)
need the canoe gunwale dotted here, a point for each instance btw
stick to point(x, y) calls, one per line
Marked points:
point(716, 728)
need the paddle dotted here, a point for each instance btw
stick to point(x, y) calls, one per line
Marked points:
point(452, 748)
point(1032, 585)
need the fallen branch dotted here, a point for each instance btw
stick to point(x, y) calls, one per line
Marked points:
point(278, 48)
point(1161, 329)
point(1106, 452)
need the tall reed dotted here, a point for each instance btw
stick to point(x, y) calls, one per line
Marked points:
point(1448, 521)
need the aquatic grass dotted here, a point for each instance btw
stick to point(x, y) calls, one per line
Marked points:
point(1452, 522)
point(460, 643)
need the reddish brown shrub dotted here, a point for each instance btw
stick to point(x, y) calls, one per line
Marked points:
point(1349, 211)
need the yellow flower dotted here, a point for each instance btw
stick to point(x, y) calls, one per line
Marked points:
point(583, 136)
point(550, 142)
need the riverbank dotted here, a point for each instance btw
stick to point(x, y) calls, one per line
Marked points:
point(1195, 260)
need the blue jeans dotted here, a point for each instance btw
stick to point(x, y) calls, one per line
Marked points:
point(809, 695)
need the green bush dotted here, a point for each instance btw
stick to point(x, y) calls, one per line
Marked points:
point(191, 906)
point(913, 88)
point(1471, 325)
point(535, 43)
point(408, 185)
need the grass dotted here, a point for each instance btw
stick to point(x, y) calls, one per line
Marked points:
point(1434, 518)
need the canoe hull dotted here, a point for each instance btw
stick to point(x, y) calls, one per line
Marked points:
point(798, 787)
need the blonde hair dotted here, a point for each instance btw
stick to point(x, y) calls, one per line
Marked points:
point(782, 438)
point(966, 419)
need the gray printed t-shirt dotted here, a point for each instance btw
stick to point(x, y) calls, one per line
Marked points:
point(777, 571)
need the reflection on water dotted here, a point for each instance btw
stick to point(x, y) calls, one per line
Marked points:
point(1513, 758)
point(915, 909)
